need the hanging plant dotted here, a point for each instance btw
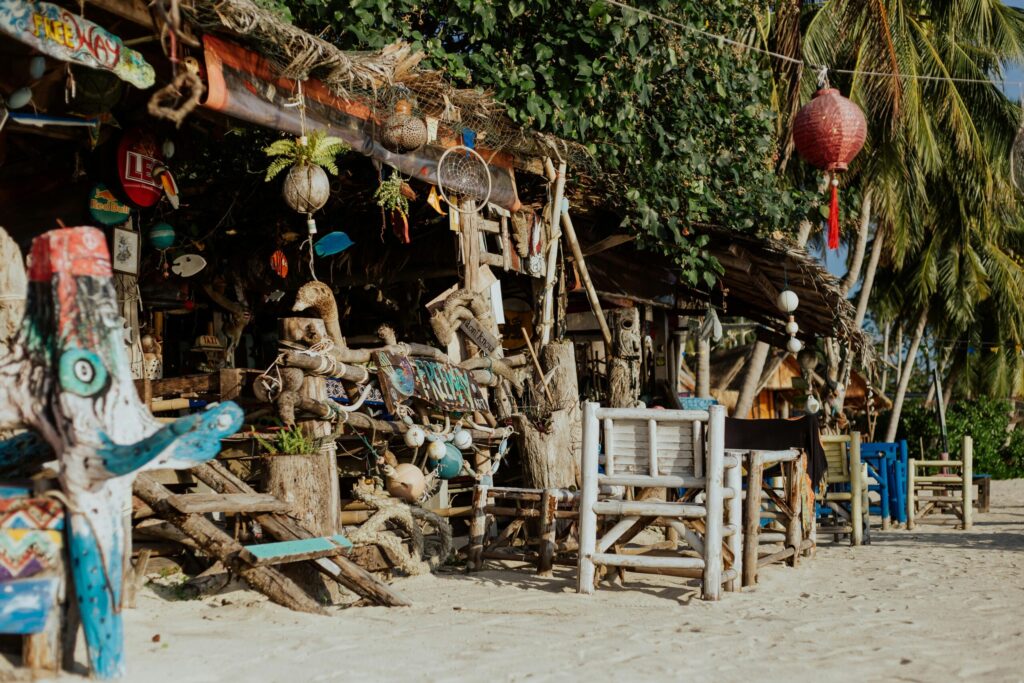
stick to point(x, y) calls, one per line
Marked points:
point(389, 195)
point(307, 187)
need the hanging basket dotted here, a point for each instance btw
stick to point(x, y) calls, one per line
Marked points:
point(306, 188)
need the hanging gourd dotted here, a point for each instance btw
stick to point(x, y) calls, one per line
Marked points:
point(828, 132)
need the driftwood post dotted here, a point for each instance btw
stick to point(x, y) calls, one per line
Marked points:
point(551, 456)
point(308, 483)
point(752, 517)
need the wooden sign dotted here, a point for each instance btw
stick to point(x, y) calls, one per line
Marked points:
point(449, 388)
point(57, 32)
point(138, 156)
point(481, 337)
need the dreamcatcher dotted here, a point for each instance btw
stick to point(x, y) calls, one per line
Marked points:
point(461, 170)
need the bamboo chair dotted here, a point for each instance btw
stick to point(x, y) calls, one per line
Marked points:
point(950, 490)
point(844, 505)
point(661, 449)
point(887, 463)
point(783, 505)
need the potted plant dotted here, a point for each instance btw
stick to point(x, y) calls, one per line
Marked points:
point(289, 441)
point(307, 187)
point(390, 196)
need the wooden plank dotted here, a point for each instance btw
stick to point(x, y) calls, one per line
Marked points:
point(299, 549)
point(607, 243)
point(229, 503)
point(135, 11)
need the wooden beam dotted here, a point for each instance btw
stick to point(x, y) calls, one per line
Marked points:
point(608, 243)
point(135, 11)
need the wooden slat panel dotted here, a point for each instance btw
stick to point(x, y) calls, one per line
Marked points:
point(301, 549)
point(202, 503)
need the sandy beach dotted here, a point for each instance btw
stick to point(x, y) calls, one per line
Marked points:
point(929, 605)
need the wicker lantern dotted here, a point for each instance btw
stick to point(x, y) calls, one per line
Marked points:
point(828, 133)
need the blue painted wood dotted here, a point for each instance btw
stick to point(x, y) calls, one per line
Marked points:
point(26, 603)
point(281, 551)
point(890, 460)
point(15, 492)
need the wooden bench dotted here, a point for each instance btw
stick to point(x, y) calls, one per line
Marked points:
point(844, 506)
point(949, 490)
point(661, 449)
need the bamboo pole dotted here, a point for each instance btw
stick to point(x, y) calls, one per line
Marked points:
point(554, 233)
point(967, 456)
point(569, 233)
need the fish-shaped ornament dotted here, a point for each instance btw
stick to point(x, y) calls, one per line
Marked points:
point(332, 243)
point(188, 265)
point(434, 200)
point(279, 262)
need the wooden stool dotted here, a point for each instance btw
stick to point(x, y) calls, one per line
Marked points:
point(984, 483)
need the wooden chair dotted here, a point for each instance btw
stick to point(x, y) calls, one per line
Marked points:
point(887, 466)
point(523, 506)
point(784, 505)
point(661, 449)
point(949, 490)
point(844, 505)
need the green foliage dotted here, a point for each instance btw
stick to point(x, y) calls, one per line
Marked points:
point(389, 195)
point(681, 128)
point(986, 420)
point(319, 149)
point(289, 441)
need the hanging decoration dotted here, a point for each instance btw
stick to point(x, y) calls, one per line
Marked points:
point(332, 243)
point(787, 302)
point(138, 156)
point(404, 132)
point(188, 265)
point(279, 263)
point(161, 236)
point(57, 32)
point(105, 208)
point(829, 131)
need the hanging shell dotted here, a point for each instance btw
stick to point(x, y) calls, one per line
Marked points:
point(307, 188)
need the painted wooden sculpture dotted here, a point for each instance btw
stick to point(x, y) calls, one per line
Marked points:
point(66, 377)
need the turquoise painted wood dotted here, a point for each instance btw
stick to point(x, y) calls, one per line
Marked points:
point(25, 604)
point(279, 553)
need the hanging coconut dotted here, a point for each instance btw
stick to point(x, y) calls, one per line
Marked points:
point(828, 132)
point(403, 131)
point(306, 188)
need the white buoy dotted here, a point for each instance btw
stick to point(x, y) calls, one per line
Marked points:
point(794, 345)
point(787, 301)
point(462, 439)
point(436, 450)
point(415, 436)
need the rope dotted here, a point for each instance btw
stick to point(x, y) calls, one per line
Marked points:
point(793, 60)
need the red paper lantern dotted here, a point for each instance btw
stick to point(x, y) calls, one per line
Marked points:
point(828, 133)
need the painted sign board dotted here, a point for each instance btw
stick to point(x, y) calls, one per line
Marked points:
point(439, 384)
point(138, 157)
point(63, 35)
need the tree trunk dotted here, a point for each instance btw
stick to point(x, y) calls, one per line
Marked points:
point(551, 458)
point(869, 278)
point(861, 245)
point(905, 373)
point(624, 366)
point(752, 379)
point(309, 482)
point(703, 368)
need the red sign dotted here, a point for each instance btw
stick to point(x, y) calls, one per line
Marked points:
point(138, 155)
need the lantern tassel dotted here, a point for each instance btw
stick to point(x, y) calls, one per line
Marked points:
point(833, 218)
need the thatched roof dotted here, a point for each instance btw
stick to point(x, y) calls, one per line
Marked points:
point(378, 78)
point(756, 269)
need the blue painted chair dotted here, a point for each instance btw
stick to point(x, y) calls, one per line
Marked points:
point(887, 465)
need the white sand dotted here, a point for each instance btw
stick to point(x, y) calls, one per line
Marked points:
point(932, 605)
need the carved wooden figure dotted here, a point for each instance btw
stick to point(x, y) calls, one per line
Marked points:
point(66, 376)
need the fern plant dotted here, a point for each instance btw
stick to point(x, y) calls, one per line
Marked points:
point(289, 441)
point(389, 195)
point(319, 149)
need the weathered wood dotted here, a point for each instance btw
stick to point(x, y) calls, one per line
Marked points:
point(752, 518)
point(548, 507)
point(228, 503)
point(343, 570)
point(967, 490)
point(13, 287)
point(794, 472)
point(711, 587)
point(267, 580)
point(300, 550)
point(551, 457)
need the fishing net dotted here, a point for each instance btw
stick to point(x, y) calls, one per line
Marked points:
point(378, 79)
